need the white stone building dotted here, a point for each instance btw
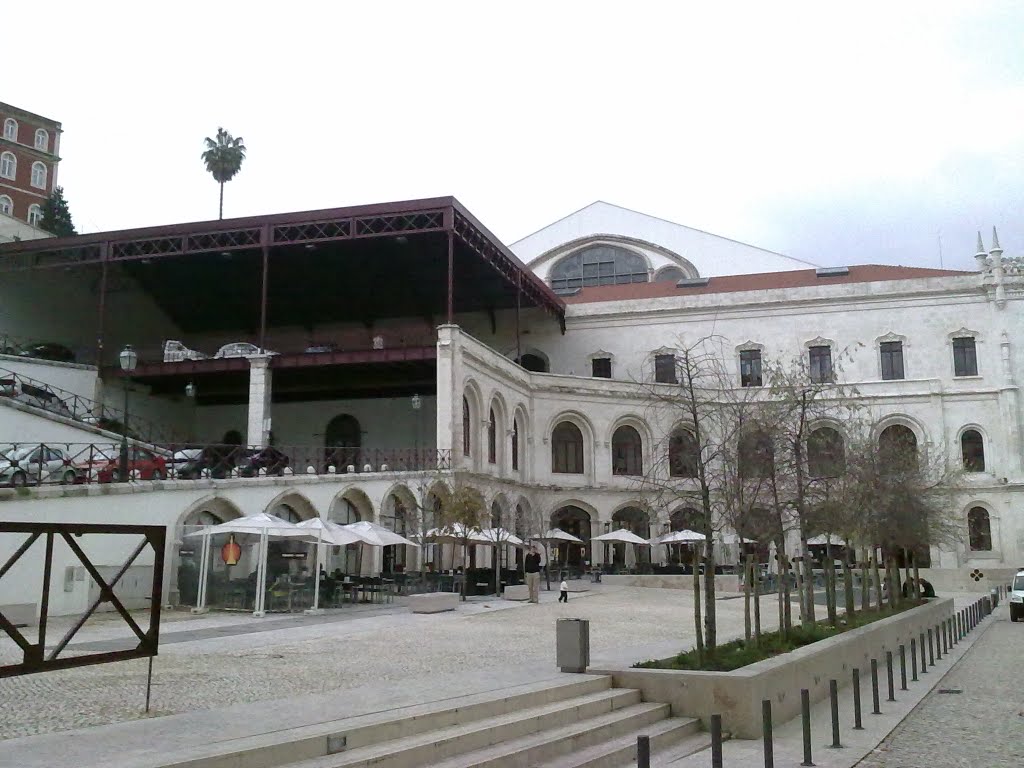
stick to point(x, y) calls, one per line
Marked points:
point(334, 365)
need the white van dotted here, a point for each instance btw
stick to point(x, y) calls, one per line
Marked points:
point(1017, 597)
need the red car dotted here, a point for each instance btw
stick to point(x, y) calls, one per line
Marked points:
point(147, 464)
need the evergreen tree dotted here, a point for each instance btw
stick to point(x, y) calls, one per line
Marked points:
point(56, 216)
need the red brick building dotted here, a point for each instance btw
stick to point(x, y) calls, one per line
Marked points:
point(29, 155)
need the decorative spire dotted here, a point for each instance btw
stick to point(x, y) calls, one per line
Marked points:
point(995, 242)
point(981, 246)
point(980, 256)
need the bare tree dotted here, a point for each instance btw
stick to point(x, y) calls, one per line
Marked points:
point(460, 518)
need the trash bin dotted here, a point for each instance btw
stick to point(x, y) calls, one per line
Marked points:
point(572, 644)
point(994, 593)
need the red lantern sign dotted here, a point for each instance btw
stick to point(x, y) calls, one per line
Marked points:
point(230, 552)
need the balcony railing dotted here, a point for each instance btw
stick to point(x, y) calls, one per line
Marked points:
point(60, 402)
point(33, 464)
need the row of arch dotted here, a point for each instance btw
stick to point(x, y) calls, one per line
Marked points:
point(41, 138)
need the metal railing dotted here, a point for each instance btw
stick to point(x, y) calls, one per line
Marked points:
point(60, 402)
point(25, 464)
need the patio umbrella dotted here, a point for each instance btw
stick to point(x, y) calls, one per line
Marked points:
point(326, 533)
point(555, 536)
point(376, 535)
point(680, 537)
point(623, 536)
point(500, 537)
point(261, 524)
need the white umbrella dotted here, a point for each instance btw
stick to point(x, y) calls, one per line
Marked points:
point(501, 536)
point(556, 535)
point(326, 533)
point(819, 540)
point(680, 537)
point(622, 536)
point(261, 524)
point(376, 535)
point(457, 533)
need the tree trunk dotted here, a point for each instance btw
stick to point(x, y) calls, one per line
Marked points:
point(497, 570)
point(787, 603)
point(220, 213)
point(917, 577)
point(748, 574)
point(757, 604)
point(894, 582)
point(696, 606)
point(710, 614)
point(830, 583)
point(865, 582)
point(848, 586)
point(876, 574)
point(808, 570)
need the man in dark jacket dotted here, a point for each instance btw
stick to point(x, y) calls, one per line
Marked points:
point(532, 567)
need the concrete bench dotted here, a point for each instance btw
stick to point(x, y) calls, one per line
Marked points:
point(516, 592)
point(434, 602)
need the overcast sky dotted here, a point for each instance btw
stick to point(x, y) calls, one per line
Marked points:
point(836, 137)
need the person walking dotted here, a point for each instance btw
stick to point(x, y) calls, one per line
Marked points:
point(563, 597)
point(531, 565)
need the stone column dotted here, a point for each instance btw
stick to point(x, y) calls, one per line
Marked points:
point(260, 390)
point(447, 404)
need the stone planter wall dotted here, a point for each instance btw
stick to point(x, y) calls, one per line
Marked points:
point(737, 695)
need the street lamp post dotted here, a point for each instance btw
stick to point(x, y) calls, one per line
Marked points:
point(128, 359)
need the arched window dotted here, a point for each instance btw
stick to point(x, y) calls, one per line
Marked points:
point(515, 444)
point(467, 442)
point(532, 362)
point(897, 448)
point(979, 530)
point(972, 447)
point(567, 449)
point(35, 215)
point(825, 453)
point(11, 129)
point(756, 454)
point(8, 165)
point(492, 439)
point(669, 275)
point(38, 175)
point(686, 519)
point(599, 265)
point(683, 454)
point(627, 452)
point(343, 439)
point(577, 522)
point(42, 139)
point(6, 205)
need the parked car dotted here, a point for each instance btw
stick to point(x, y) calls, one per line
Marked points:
point(1017, 597)
point(36, 464)
point(250, 462)
point(218, 459)
point(89, 462)
point(146, 463)
point(48, 351)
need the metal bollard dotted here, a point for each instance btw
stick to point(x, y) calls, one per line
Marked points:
point(643, 752)
point(874, 687)
point(903, 667)
point(938, 643)
point(924, 663)
point(833, 698)
point(716, 741)
point(857, 726)
point(952, 631)
point(931, 649)
point(913, 659)
point(888, 676)
point(945, 637)
point(766, 733)
point(805, 716)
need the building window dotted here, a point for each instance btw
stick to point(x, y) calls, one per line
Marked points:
point(972, 447)
point(601, 367)
point(627, 452)
point(821, 364)
point(756, 455)
point(683, 454)
point(466, 428)
point(669, 274)
point(750, 368)
point(6, 205)
point(42, 139)
point(35, 215)
point(665, 369)
point(599, 265)
point(515, 444)
point(38, 175)
point(567, 449)
point(897, 447)
point(11, 129)
point(492, 439)
point(533, 362)
point(8, 165)
point(892, 360)
point(979, 530)
point(825, 453)
point(965, 357)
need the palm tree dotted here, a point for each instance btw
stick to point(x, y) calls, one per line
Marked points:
point(223, 158)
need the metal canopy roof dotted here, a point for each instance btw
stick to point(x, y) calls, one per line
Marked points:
point(420, 258)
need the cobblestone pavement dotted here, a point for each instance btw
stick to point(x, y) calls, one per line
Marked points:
point(981, 727)
point(353, 651)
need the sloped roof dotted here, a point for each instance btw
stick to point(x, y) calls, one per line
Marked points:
point(800, 278)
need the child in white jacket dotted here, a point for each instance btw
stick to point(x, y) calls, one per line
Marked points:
point(564, 597)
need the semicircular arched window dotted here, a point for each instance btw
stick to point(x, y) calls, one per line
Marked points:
point(627, 452)
point(567, 449)
point(979, 529)
point(825, 453)
point(683, 454)
point(972, 446)
point(598, 265)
